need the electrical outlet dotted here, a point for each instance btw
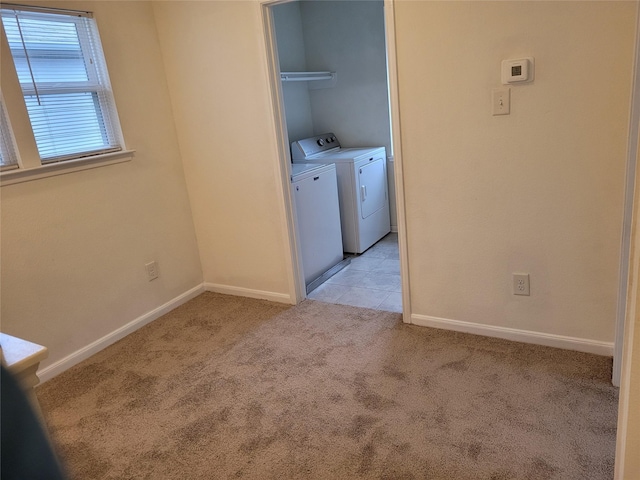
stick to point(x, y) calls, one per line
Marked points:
point(152, 270)
point(521, 284)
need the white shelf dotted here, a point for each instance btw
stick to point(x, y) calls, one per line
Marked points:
point(315, 80)
point(306, 76)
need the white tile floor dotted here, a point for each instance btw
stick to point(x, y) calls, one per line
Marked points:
point(372, 280)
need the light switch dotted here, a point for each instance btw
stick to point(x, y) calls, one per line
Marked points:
point(501, 101)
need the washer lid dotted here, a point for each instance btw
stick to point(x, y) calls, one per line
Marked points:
point(347, 154)
point(302, 170)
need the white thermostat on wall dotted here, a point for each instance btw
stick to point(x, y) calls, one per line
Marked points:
point(517, 71)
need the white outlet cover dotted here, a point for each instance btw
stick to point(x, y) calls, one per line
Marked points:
point(521, 285)
point(152, 270)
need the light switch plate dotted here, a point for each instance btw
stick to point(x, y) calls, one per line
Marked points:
point(501, 101)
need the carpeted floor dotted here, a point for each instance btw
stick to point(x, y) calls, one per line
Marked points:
point(229, 387)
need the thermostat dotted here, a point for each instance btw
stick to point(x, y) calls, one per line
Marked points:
point(517, 71)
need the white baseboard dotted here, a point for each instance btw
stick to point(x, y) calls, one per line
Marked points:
point(76, 357)
point(248, 292)
point(394, 229)
point(516, 335)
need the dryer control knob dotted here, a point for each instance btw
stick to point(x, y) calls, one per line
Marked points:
point(320, 142)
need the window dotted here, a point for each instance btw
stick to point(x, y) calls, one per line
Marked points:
point(63, 76)
point(8, 156)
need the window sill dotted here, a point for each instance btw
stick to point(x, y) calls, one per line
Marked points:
point(11, 177)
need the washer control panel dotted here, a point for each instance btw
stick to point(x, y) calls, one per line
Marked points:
point(312, 145)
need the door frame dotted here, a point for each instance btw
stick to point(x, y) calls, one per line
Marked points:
point(627, 315)
point(297, 285)
point(627, 222)
point(295, 276)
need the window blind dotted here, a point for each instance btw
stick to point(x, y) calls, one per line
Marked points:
point(64, 80)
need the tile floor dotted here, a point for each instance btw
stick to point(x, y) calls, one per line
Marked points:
point(372, 280)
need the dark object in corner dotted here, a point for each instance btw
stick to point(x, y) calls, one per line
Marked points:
point(25, 449)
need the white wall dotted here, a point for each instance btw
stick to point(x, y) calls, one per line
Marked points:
point(74, 246)
point(349, 38)
point(539, 191)
point(291, 53)
point(215, 62)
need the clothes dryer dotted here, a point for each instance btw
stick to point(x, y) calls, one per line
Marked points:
point(362, 187)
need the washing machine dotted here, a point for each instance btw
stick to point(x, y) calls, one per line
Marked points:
point(362, 187)
point(315, 192)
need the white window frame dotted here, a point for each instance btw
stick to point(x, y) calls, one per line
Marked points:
point(116, 153)
point(7, 140)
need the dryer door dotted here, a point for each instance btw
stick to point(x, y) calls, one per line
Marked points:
point(372, 185)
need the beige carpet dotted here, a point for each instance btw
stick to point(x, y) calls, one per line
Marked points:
point(229, 387)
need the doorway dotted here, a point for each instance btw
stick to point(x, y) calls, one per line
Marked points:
point(349, 41)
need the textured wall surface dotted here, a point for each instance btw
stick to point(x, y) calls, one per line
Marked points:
point(539, 191)
point(74, 246)
point(216, 67)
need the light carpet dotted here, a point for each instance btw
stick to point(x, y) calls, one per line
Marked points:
point(230, 387)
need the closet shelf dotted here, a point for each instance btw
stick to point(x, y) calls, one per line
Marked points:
point(307, 76)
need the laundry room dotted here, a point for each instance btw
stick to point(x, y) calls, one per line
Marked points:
point(332, 60)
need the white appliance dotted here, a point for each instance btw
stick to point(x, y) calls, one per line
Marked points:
point(315, 192)
point(362, 187)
